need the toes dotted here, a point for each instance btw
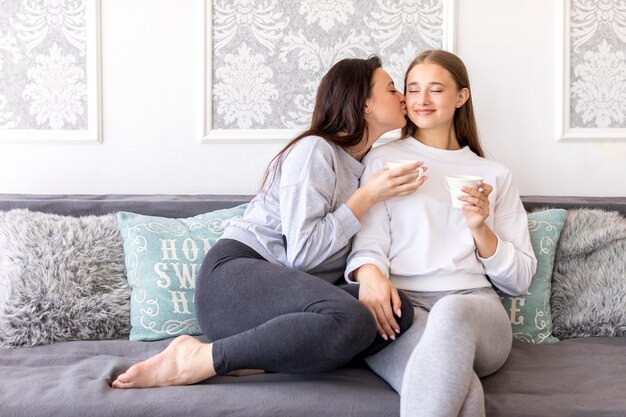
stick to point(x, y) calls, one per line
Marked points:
point(125, 380)
point(119, 384)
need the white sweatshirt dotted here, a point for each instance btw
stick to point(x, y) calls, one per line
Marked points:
point(422, 243)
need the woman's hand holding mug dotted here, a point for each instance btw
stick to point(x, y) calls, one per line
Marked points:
point(476, 207)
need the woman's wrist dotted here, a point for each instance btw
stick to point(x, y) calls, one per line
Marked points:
point(486, 241)
point(364, 271)
point(359, 202)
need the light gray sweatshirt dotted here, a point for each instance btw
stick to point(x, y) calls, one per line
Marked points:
point(300, 219)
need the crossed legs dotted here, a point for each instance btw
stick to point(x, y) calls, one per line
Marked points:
point(436, 365)
point(260, 316)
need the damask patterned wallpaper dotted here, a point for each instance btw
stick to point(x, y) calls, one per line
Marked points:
point(43, 61)
point(269, 55)
point(598, 63)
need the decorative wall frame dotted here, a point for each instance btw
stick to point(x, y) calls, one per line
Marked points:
point(269, 32)
point(50, 90)
point(591, 70)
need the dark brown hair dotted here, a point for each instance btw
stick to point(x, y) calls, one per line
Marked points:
point(464, 120)
point(339, 112)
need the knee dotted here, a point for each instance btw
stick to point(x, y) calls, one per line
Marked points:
point(356, 330)
point(455, 308)
point(455, 314)
point(361, 325)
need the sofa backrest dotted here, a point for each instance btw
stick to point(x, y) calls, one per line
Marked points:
point(151, 205)
point(533, 202)
point(191, 205)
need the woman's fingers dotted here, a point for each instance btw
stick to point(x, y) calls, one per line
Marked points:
point(407, 183)
point(405, 169)
point(391, 319)
point(478, 202)
point(384, 328)
point(379, 328)
point(396, 304)
point(386, 324)
point(486, 188)
point(383, 319)
point(477, 196)
point(476, 207)
point(406, 175)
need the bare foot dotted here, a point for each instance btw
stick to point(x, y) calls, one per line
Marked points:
point(185, 361)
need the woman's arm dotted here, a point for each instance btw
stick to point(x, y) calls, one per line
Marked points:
point(506, 251)
point(312, 230)
point(368, 263)
point(384, 184)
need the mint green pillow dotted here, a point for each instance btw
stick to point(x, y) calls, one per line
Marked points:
point(163, 257)
point(530, 313)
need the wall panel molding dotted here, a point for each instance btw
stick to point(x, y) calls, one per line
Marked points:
point(56, 58)
point(590, 71)
point(261, 66)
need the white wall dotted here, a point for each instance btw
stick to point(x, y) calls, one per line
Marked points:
point(150, 87)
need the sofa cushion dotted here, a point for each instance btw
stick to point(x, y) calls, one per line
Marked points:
point(574, 378)
point(163, 256)
point(530, 313)
point(589, 281)
point(61, 278)
point(72, 379)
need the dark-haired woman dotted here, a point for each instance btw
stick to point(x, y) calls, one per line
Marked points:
point(265, 294)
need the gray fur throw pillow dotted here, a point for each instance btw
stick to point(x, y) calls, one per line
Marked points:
point(61, 278)
point(589, 277)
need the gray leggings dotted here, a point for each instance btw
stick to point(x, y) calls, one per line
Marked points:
point(456, 337)
point(266, 316)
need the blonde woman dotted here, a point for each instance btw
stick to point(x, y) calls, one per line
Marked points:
point(446, 259)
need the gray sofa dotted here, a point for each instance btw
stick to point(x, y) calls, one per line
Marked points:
point(575, 377)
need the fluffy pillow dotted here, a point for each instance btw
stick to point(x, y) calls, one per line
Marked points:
point(61, 278)
point(531, 318)
point(163, 257)
point(589, 282)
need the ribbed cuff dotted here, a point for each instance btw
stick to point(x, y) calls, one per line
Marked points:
point(501, 261)
point(357, 262)
point(349, 222)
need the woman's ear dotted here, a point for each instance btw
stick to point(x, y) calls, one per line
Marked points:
point(463, 96)
point(367, 109)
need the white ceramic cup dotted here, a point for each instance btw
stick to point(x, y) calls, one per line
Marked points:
point(456, 182)
point(395, 163)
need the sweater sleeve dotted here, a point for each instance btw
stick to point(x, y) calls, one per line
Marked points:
point(312, 230)
point(513, 265)
point(371, 245)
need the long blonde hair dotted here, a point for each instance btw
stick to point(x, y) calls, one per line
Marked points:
point(464, 120)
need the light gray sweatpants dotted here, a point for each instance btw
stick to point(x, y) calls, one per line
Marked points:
point(456, 337)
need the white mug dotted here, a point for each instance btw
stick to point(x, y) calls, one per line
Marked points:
point(395, 163)
point(454, 183)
